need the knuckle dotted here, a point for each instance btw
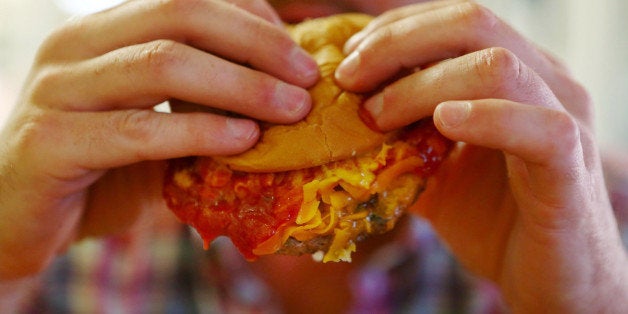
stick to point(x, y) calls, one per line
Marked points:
point(476, 16)
point(50, 45)
point(135, 126)
point(279, 41)
point(33, 129)
point(158, 57)
point(55, 45)
point(583, 102)
point(581, 93)
point(500, 62)
point(43, 80)
point(566, 130)
point(181, 8)
point(502, 71)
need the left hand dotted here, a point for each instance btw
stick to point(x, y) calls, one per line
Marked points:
point(522, 201)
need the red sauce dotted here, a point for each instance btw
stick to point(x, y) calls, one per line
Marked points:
point(250, 207)
point(247, 207)
point(425, 141)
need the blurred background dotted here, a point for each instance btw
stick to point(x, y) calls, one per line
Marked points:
point(591, 36)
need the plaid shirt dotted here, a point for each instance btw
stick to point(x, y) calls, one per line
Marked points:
point(166, 272)
point(162, 275)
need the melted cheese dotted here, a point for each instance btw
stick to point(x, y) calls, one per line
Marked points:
point(183, 179)
point(328, 209)
point(331, 203)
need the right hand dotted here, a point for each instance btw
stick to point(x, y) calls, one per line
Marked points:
point(74, 150)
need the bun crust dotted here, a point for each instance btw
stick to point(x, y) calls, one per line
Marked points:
point(332, 130)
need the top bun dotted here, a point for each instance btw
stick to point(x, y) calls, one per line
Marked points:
point(333, 129)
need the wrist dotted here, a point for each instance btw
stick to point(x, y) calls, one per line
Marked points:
point(604, 292)
point(615, 300)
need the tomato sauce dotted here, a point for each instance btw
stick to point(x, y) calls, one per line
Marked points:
point(249, 208)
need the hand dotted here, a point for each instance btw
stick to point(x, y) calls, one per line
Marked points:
point(73, 151)
point(522, 199)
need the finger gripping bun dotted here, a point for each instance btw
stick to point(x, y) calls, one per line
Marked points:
point(332, 130)
point(317, 187)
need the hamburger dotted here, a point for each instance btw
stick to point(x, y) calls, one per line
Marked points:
point(319, 186)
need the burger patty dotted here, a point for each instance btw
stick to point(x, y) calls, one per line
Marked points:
point(379, 208)
point(325, 208)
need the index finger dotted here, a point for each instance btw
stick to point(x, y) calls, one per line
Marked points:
point(418, 37)
point(220, 28)
point(549, 155)
point(433, 35)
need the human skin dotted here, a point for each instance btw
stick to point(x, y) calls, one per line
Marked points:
point(522, 203)
point(81, 152)
point(523, 200)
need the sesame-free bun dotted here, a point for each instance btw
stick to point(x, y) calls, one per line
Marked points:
point(332, 130)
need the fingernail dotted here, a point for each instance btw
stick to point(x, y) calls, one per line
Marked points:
point(293, 101)
point(368, 119)
point(348, 67)
point(304, 64)
point(375, 105)
point(242, 129)
point(453, 113)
